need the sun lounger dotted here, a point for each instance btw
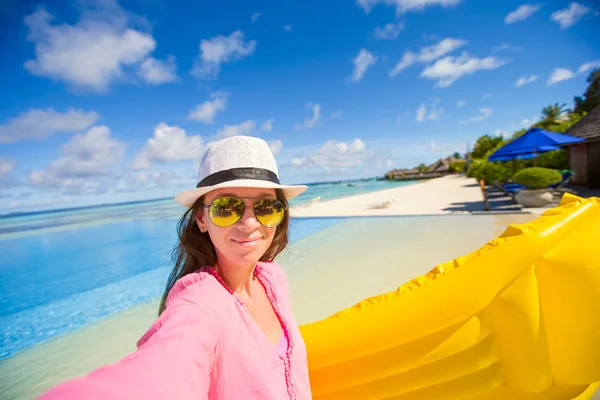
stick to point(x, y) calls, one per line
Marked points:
point(566, 178)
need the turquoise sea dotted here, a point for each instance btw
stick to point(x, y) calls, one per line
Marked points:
point(65, 269)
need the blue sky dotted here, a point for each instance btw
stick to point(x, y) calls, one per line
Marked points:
point(107, 101)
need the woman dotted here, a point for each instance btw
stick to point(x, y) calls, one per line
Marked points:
point(225, 328)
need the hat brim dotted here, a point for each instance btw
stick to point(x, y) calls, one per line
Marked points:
point(189, 197)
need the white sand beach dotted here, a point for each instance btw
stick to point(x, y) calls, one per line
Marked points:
point(447, 195)
point(453, 194)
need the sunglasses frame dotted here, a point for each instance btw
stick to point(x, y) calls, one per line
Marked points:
point(256, 200)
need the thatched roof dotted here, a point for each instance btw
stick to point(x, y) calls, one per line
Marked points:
point(588, 127)
point(441, 165)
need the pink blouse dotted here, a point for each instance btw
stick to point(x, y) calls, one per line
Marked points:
point(205, 345)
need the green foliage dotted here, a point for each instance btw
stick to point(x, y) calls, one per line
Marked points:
point(537, 177)
point(473, 167)
point(562, 127)
point(422, 168)
point(484, 144)
point(456, 155)
point(491, 151)
point(552, 115)
point(591, 97)
point(558, 159)
point(517, 134)
point(492, 171)
point(458, 166)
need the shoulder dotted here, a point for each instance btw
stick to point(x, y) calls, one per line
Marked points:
point(194, 300)
point(273, 272)
point(199, 288)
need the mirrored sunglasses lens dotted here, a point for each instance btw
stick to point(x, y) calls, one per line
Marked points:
point(269, 212)
point(226, 211)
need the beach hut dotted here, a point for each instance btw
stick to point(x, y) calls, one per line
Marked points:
point(584, 157)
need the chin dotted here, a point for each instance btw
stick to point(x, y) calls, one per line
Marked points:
point(250, 256)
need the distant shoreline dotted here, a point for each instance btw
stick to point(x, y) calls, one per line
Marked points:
point(79, 208)
point(452, 194)
point(57, 210)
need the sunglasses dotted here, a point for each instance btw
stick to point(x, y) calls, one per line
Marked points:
point(226, 211)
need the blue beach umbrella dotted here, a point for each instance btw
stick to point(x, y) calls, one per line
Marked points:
point(532, 143)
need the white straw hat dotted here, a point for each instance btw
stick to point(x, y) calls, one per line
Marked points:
point(237, 161)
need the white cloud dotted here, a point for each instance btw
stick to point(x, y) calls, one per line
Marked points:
point(255, 16)
point(486, 96)
point(91, 54)
point(461, 103)
point(149, 179)
point(588, 66)
point(42, 202)
point(155, 72)
point(522, 13)
point(560, 74)
point(524, 80)
point(334, 156)
point(267, 125)
point(275, 146)
point(236, 130)
point(336, 114)
point(287, 28)
point(434, 112)
point(427, 54)
point(449, 69)
point(206, 111)
point(408, 59)
point(563, 74)
point(312, 121)
point(169, 144)
point(84, 161)
point(39, 124)
point(403, 6)
point(6, 166)
point(220, 50)
point(506, 46)
point(485, 113)
point(434, 146)
point(389, 31)
point(527, 122)
point(421, 113)
point(362, 62)
point(570, 16)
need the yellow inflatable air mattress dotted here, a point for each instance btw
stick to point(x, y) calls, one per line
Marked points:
point(516, 319)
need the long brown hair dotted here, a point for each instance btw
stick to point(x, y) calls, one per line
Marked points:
point(195, 249)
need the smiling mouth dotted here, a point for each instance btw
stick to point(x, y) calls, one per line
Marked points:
point(246, 242)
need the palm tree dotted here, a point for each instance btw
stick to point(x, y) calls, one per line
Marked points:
point(553, 114)
point(422, 168)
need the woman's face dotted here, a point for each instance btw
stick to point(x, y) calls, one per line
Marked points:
point(245, 241)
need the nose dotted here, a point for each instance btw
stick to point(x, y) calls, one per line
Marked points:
point(248, 221)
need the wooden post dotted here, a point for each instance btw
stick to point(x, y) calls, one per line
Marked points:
point(484, 194)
